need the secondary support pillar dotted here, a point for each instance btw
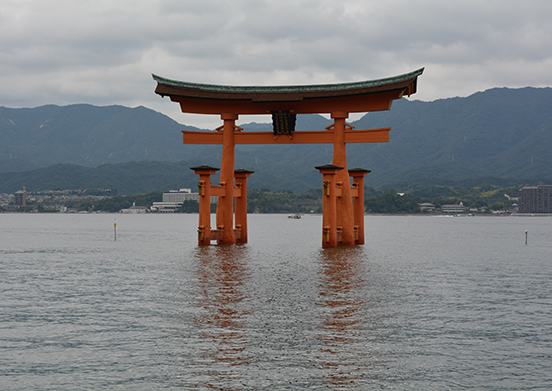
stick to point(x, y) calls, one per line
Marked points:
point(241, 176)
point(225, 206)
point(204, 190)
point(357, 191)
point(329, 204)
point(345, 217)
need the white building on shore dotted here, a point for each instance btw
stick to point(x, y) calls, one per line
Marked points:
point(135, 209)
point(453, 208)
point(173, 200)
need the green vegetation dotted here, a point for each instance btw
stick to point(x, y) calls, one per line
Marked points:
point(24, 209)
point(501, 133)
point(98, 192)
point(265, 201)
point(385, 200)
point(87, 135)
point(491, 196)
point(192, 206)
point(42, 209)
point(189, 206)
point(259, 201)
point(393, 203)
point(116, 203)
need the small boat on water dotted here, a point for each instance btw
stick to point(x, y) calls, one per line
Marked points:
point(294, 216)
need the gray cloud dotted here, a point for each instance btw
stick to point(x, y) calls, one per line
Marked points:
point(103, 52)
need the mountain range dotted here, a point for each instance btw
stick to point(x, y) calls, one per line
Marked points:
point(87, 135)
point(502, 133)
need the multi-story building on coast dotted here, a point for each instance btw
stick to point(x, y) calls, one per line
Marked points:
point(21, 198)
point(453, 208)
point(427, 207)
point(173, 200)
point(535, 199)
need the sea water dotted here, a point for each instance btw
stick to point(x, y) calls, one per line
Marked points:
point(428, 303)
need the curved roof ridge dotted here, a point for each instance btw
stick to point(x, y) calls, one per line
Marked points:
point(289, 88)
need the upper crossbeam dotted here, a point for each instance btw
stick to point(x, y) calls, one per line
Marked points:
point(298, 137)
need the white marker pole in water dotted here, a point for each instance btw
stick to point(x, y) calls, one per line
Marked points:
point(526, 238)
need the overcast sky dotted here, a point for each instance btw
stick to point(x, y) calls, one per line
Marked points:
point(104, 52)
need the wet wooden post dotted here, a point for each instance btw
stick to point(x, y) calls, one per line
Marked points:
point(241, 176)
point(225, 205)
point(357, 191)
point(204, 190)
point(345, 218)
point(329, 204)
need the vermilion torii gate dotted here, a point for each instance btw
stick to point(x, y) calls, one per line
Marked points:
point(284, 102)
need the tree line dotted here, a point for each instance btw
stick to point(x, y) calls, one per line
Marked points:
point(384, 200)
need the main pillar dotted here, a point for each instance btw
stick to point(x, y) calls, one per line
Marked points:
point(329, 204)
point(345, 218)
point(358, 175)
point(241, 203)
point(204, 190)
point(225, 206)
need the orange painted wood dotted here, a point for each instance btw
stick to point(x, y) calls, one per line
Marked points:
point(351, 104)
point(219, 191)
point(195, 137)
point(298, 137)
point(238, 235)
point(204, 229)
point(241, 205)
point(367, 136)
point(216, 234)
point(344, 204)
point(342, 220)
point(329, 206)
point(358, 204)
point(225, 205)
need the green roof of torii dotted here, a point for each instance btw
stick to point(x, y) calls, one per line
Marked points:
point(214, 88)
point(302, 99)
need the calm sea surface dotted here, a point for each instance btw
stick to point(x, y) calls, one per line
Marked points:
point(428, 303)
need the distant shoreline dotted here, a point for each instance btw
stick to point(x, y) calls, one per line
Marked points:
point(309, 214)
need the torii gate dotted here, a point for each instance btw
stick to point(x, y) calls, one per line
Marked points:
point(284, 102)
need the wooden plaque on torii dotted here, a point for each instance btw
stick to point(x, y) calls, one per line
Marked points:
point(342, 222)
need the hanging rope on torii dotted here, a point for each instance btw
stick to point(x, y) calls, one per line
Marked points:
point(343, 202)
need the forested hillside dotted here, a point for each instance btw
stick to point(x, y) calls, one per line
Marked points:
point(88, 136)
point(500, 132)
point(503, 134)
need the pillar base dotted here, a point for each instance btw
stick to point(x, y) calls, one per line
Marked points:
point(239, 193)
